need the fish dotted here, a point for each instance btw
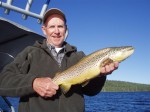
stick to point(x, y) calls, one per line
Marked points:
point(90, 66)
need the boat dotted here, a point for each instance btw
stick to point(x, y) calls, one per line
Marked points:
point(14, 38)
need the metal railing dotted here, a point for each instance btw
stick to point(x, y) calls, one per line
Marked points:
point(25, 12)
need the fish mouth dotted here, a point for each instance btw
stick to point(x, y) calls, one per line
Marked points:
point(131, 50)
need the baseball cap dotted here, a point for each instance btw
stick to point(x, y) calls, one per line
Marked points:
point(53, 11)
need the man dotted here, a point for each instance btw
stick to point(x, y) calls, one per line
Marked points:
point(30, 75)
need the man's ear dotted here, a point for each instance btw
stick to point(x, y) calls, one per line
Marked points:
point(43, 29)
point(66, 33)
point(44, 32)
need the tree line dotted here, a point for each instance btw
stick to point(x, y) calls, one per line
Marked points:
point(121, 86)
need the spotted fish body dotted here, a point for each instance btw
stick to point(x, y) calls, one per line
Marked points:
point(90, 66)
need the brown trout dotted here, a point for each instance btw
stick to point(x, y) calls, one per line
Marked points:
point(89, 67)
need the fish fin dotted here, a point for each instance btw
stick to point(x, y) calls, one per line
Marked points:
point(65, 88)
point(106, 62)
point(85, 83)
point(57, 73)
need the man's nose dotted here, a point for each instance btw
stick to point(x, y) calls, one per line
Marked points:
point(56, 30)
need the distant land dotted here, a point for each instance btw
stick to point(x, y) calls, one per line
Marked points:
point(121, 86)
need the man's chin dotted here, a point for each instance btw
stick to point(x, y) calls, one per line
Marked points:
point(57, 44)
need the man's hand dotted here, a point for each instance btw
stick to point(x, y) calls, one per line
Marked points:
point(45, 87)
point(108, 69)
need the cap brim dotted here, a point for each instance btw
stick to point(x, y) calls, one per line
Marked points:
point(51, 12)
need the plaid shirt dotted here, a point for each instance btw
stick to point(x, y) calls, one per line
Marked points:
point(57, 56)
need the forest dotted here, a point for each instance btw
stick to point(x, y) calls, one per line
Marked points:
point(121, 86)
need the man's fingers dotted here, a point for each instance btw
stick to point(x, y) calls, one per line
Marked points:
point(116, 64)
point(53, 85)
point(45, 87)
point(103, 70)
point(108, 69)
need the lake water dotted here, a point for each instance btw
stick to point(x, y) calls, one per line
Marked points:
point(119, 102)
point(109, 102)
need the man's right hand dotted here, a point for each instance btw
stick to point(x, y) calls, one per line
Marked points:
point(45, 87)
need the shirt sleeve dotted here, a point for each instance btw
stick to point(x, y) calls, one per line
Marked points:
point(94, 86)
point(14, 79)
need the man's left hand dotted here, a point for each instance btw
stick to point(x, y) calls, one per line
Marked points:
point(108, 69)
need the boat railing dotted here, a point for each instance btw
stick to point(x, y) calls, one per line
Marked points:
point(8, 6)
point(25, 12)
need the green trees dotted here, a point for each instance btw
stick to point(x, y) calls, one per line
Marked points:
point(120, 86)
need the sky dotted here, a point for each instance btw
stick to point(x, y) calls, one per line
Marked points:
point(97, 24)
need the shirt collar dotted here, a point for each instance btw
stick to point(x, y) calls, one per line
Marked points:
point(51, 47)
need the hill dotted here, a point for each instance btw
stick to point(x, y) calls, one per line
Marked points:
point(121, 86)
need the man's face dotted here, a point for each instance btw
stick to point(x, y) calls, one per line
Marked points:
point(55, 29)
